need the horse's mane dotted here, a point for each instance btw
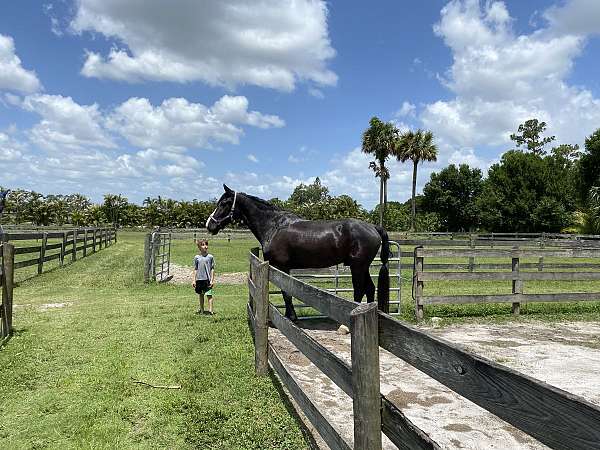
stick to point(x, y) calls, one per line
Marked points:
point(263, 204)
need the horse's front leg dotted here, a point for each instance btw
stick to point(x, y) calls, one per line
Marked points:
point(290, 312)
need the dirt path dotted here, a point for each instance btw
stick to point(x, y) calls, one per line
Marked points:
point(183, 275)
point(565, 355)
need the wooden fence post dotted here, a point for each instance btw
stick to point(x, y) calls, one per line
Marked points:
point(63, 249)
point(85, 242)
point(366, 397)
point(42, 253)
point(8, 272)
point(517, 286)
point(418, 285)
point(94, 241)
point(255, 251)
point(261, 312)
point(74, 254)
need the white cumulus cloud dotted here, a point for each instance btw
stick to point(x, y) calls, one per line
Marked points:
point(501, 78)
point(13, 76)
point(271, 43)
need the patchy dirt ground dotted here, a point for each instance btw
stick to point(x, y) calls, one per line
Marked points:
point(565, 355)
point(183, 275)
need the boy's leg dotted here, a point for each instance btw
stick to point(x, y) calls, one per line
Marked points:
point(201, 300)
point(210, 303)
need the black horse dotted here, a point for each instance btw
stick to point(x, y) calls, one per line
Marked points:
point(291, 242)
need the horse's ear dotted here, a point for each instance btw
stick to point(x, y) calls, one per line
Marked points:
point(229, 191)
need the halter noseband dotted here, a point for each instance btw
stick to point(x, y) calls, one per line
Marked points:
point(229, 216)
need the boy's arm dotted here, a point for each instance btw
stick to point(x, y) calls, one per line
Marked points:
point(212, 277)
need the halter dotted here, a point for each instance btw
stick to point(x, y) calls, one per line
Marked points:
point(230, 216)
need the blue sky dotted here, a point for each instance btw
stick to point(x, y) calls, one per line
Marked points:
point(147, 97)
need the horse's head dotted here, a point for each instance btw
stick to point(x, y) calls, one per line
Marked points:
point(3, 195)
point(224, 213)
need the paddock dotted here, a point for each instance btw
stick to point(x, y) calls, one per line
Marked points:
point(438, 378)
point(541, 351)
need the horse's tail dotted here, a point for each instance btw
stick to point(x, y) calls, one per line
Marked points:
point(383, 280)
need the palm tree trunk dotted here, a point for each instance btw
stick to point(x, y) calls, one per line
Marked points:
point(384, 197)
point(381, 201)
point(413, 211)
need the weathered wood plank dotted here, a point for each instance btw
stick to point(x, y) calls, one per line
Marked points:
point(337, 370)
point(25, 250)
point(325, 429)
point(401, 431)
point(29, 262)
point(500, 276)
point(504, 298)
point(251, 288)
point(556, 418)
point(508, 253)
point(51, 257)
point(330, 305)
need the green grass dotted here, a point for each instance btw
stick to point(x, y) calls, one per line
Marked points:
point(66, 376)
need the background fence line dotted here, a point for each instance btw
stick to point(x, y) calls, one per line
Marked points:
point(517, 276)
point(69, 243)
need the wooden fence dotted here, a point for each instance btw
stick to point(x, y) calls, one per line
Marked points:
point(66, 243)
point(7, 258)
point(554, 417)
point(517, 275)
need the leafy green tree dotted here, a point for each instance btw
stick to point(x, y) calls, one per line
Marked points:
point(381, 141)
point(529, 134)
point(397, 216)
point(527, 193)
point(309, 193)
point(416, 146)
point(588, 167)
point(452, 194)
point(113, 207)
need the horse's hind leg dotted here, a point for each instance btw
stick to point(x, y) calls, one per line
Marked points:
point(358, 282)
point(369, 287)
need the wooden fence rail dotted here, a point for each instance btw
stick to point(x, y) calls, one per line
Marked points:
point(516, 275)
point(554, 417)
point(70, 242)
point(7, 270)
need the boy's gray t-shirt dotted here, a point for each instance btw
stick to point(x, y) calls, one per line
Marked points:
point(203, 265)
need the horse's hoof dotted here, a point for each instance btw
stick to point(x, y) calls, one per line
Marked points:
point(343, 329)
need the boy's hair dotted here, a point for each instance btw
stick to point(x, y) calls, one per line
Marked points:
point(199, 242)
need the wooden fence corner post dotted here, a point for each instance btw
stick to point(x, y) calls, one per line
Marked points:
point(517, 285)
point(261, 280)
point(366, 397)
point(8, 273)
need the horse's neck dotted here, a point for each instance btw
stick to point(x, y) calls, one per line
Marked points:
point(262, 222)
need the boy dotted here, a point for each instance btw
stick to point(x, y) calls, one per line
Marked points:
point(204, 275)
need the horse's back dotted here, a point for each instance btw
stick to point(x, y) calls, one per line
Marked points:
point(324, 243)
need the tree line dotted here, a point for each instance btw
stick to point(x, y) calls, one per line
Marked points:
point(529, 190)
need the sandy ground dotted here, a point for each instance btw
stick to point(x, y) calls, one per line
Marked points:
point(183, 275)
point(566, 355)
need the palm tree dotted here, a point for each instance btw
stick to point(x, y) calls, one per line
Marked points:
point(381, 141)
point(416, 146)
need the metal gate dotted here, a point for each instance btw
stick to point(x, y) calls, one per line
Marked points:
point(158, 257)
